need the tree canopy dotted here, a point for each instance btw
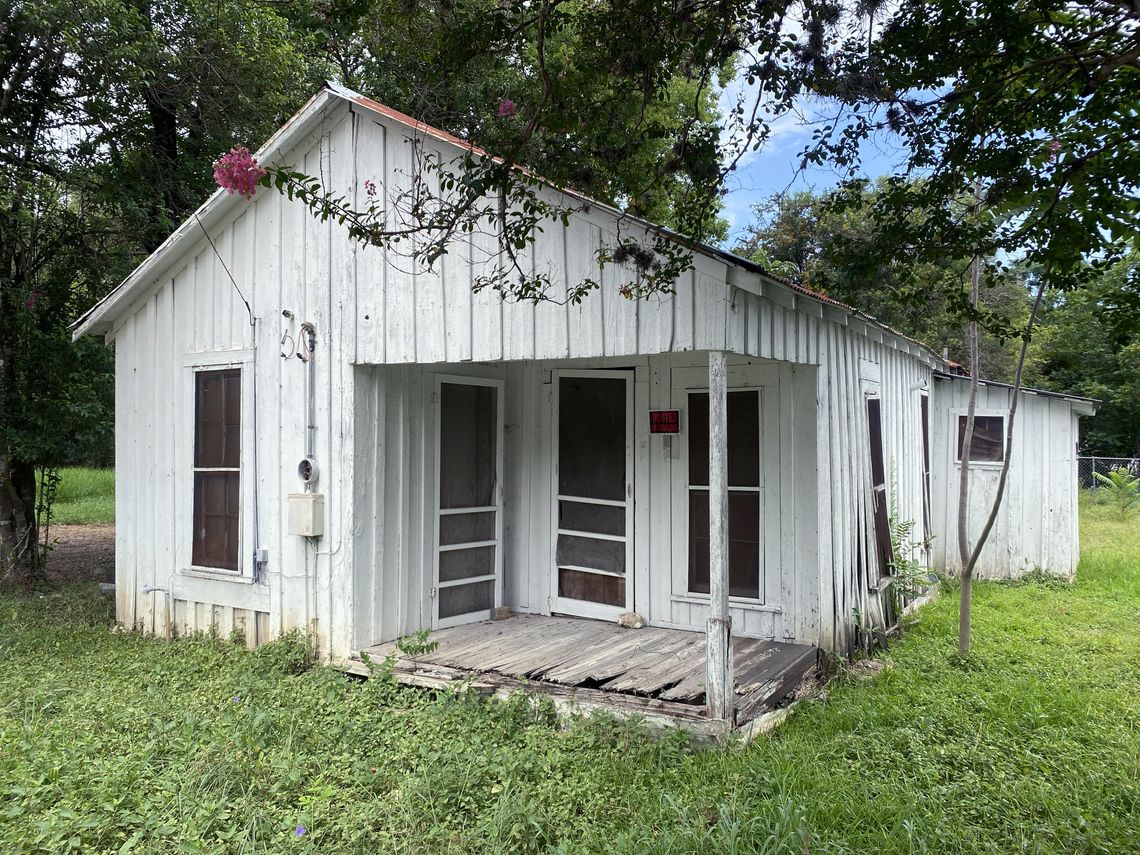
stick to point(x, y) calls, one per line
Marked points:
point(111, 112)
point(832, 248)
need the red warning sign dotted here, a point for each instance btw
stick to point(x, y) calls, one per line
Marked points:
point(664, 421)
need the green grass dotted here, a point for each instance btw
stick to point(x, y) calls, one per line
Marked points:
point(114, 742)
point(84, 497)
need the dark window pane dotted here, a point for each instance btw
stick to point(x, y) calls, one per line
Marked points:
point(699, 541)
point(593, 554)
point(217, 441)
point(879, 489)
point(875, 428)
point(231, 457)
point(591, 437)
point(698, 418)
point(743, 543)
point(591, 587)
point(215, 542)
point(466, 528)
point(465, 599)
point(466, 563)
point(600, 519)
point(743, 439)
point(988, 442)
point(468, 445)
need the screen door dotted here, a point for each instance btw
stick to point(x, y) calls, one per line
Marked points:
point(469, 467)
point(594, 500)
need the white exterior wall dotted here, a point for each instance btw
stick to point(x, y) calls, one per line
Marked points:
point(367, 311)
point(1037, 524)
point(817, 521)
point(281, 258)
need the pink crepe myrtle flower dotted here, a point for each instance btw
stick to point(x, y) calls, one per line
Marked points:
point(1054, 148)
point(369, 186)
point(237, 171)
point(507, 108)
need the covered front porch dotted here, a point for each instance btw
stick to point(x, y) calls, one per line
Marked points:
point(544, 489)
point(592, 664)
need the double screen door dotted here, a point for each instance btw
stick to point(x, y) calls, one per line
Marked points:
point(467, 571)
point(593, 501)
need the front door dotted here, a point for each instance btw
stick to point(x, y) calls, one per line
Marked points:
point(593, 502)
point(469, 519)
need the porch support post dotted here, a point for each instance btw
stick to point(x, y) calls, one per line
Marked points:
point(720, 693)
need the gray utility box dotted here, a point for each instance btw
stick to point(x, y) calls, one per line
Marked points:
point(307, 514)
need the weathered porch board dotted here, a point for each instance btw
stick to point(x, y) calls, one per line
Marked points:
point(653, 668)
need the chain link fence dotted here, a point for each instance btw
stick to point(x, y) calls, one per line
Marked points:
point(1086, 466)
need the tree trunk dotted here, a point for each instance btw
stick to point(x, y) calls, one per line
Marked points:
point(965, 607)
point(968, 568)
point(19, 542)
point(966, 590)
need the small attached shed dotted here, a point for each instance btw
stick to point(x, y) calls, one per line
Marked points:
point(1037, 525)
point(718, 461)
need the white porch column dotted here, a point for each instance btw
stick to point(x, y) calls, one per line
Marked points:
point(720, 694)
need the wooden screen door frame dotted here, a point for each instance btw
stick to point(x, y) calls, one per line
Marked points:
point(566, 605)
point(497, 507)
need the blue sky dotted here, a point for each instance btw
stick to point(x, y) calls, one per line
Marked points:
point(775, 168)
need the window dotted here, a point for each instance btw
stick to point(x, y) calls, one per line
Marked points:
point(743, 493)
point(217, 468)
point(988, 442)
point(879, 486)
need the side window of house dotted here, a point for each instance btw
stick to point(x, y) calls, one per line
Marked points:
point(988, 443)
point(743, 493)
point(217, 468)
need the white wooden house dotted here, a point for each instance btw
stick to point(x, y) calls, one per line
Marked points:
point(470, 455)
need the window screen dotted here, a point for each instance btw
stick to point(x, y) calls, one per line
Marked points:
point(988, 442)
point(743, 493)
point(217, 468)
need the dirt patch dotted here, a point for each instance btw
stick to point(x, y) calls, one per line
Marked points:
point(82, 553)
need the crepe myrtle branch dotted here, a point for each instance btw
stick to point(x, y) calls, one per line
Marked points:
point(446, 203)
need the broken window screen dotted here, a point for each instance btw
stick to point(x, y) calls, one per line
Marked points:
point(988, 442)
point(743, 493)
point(591, 587)
point(468, 456)
point(217, 469)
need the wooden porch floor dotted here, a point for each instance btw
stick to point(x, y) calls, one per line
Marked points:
point(653, 671)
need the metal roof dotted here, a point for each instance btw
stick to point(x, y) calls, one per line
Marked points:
point(1091, 404)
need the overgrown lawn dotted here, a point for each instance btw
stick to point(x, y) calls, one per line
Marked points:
point(113, 742)
point(84, 497)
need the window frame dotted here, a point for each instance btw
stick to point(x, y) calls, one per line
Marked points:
point(956, 420)
point(186, 439)
point(757, 490)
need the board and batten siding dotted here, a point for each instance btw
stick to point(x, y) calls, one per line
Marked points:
point(280, 258)
point(378, 320)
point(1037, 524)
point(817, 522)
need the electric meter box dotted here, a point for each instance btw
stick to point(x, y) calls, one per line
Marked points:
point(307, 514)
